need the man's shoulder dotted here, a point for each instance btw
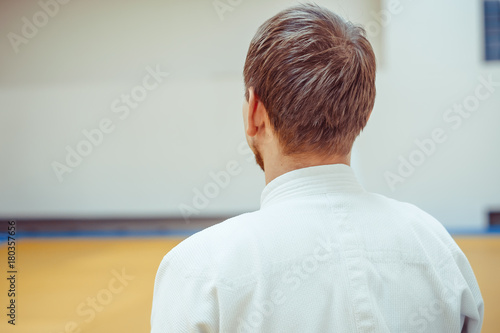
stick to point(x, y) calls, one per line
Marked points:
point(403, 208)
point(414, 218)
point(202, 250)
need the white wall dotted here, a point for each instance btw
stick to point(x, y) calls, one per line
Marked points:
point(66, 78)
point(433, 58)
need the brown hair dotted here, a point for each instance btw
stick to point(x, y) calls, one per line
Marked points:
point(315, 74)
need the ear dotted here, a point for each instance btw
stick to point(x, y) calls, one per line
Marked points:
point(257, 118)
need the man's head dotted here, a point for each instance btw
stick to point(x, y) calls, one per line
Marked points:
point(310, 76)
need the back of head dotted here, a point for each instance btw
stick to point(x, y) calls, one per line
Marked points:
point(314, 72)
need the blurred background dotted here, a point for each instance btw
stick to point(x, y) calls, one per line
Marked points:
point(76, 65)
point(132, 111)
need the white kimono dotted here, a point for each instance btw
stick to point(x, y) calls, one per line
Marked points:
point(321, 255)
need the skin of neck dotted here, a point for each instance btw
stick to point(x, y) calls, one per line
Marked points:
point(265, 144)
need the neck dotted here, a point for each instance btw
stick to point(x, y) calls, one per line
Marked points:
point(277, 165)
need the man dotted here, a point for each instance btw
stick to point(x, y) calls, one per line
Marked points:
point(321, 254)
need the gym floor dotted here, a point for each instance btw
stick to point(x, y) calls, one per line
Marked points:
point(105, 284)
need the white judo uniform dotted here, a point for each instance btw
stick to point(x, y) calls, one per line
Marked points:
point(321, 255)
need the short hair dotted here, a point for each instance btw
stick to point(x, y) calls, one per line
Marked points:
point(315, 74)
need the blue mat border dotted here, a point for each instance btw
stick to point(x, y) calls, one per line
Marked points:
point(491, 231)
point(102, 234)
